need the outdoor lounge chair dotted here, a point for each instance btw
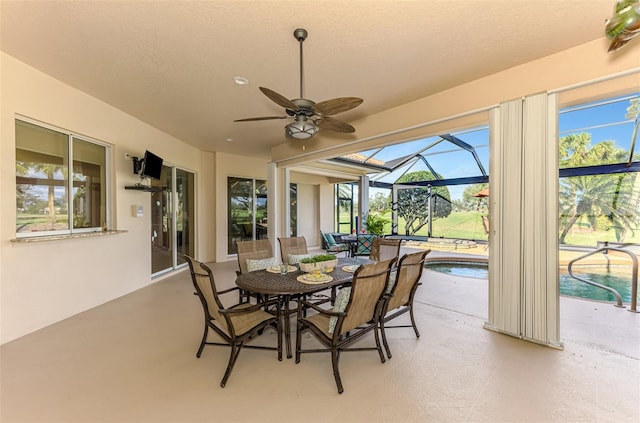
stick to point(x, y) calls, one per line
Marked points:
point(236, 324)
point(402, 292)
point(363, 303)
point(331, 245)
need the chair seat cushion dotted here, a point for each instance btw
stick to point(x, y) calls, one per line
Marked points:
point(253, 265)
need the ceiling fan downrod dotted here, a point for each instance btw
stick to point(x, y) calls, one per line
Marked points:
point(301, 34)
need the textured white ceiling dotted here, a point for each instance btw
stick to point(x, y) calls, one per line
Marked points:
point(171, 63)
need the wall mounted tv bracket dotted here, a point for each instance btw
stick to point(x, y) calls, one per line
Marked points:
point(137, 164)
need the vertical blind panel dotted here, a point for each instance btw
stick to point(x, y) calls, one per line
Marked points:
point(495, 247)
point(539, 244)
point(551, 224)
point(534, 285)
point(505, 210)
point(523, 277)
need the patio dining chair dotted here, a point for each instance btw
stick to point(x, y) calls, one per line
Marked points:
point(255, 255)
point(236, 324)
point(401, 292)
point(385, 249)
point(355, 313)
point(293, 249)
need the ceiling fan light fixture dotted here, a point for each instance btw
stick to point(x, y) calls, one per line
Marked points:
point(309, 116)
point(300, 129)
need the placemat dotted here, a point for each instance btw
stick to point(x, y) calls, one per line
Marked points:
point(276, 269)
point(350, 268)
point(312, 278)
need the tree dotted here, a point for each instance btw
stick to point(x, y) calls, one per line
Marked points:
point(413, 203)
point(470, 201)
point(595, 195)
point(380, 202)
point(345, 197)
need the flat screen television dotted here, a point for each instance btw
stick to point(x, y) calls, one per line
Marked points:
point(151, 165)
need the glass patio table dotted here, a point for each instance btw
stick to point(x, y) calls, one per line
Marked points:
point(287, 286)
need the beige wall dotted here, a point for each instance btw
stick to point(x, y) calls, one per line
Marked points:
point(310, 187)
point(45, 282)
point(308, 220)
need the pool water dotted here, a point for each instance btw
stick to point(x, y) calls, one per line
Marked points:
point(477, 271)
point(619, 280)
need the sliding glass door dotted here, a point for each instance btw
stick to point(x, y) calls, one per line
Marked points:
point(172, 219)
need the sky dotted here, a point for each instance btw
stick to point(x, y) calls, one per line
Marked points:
point(605, 120)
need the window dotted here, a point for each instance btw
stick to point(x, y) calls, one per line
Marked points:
point(346, 207)
point(247, 207)
point(60, 182)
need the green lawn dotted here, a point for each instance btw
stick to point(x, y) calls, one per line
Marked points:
point(468, 225)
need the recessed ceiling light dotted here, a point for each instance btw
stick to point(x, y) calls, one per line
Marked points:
point(229, 140)
point(240, 80)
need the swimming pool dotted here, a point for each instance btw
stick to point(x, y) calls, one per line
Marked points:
point(620, 279)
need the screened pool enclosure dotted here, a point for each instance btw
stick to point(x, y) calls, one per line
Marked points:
point(439, 186)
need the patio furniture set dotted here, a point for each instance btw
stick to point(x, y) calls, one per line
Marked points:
point(371, 292)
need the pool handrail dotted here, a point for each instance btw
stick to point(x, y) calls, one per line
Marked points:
point(634, 275)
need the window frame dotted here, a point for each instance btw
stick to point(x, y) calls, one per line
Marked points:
point(108, 165)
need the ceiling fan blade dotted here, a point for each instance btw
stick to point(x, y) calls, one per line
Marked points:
point(334, 125)
point(279, 99)
point(337, 105)
point(261, 118)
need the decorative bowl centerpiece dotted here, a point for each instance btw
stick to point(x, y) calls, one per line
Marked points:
point(321, 263)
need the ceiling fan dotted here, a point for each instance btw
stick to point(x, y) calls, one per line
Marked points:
point(309, 116)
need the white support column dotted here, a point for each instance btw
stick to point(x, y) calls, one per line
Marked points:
point(273, 207)
point(394, 210)
point(523, 264)
point(363, 201)
point(286, 203)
